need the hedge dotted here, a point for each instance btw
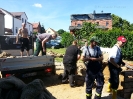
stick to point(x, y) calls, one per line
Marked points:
point(109, 38)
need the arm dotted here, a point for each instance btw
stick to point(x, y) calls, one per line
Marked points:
point(43, 42)
point(114, 63)
point(83, 56)
point(17, 36)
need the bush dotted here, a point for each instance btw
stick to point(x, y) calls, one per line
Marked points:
point(109, 38)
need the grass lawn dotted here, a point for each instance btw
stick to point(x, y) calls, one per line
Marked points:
point(60, 51)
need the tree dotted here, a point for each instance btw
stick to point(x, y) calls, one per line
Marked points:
point(131, 27)
point(60, 31)
point(118, 22)
point(43, 29)
point(67, 39)
point(86, 30)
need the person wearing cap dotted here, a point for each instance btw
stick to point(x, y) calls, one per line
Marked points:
point(114, 63)
point(41, 42)
point(93, 56)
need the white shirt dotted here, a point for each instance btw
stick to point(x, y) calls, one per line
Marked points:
point(115, 53)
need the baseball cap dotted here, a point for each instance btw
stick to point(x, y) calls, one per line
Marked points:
point(122, 39)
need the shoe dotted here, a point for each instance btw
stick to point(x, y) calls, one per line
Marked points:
point(65, 82)
point(72, 86)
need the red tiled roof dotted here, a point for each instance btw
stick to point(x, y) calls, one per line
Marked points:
point(1, 12)
point(35, 25)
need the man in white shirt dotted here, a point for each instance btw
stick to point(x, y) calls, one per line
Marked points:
point(114, 63)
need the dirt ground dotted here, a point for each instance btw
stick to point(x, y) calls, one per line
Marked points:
point(64, 91)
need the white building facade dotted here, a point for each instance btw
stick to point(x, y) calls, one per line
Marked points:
point(14, 20)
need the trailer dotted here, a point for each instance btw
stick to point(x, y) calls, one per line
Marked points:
point(27, 66)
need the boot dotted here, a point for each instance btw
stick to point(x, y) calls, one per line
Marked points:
point(114, 94)
point(88, 97)
point(97, 96)
point(109, 87)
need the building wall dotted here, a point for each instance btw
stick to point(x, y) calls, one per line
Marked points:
point(18, 24)
point(2, 24)
point(101, 22)
point(49, 31)
point(30, 28)
point(24, 19)
point(8, 20)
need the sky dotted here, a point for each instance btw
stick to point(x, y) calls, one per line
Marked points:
point(56, 13)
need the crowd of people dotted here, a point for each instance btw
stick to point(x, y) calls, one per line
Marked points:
point(90, 54)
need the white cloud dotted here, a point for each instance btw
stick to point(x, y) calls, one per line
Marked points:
point(37, 5)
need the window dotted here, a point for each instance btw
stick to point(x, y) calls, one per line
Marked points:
point(25, 21)
point(107, 23)
point(16, 30)
point(79, 25)
point(22, 20)
point(48, 31)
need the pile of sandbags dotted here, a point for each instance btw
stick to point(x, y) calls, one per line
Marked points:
point(14, 88)
point(6, 55)
point(51, 53)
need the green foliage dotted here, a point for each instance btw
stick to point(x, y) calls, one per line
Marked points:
point(85, 32)
point(118, 22)
point(43, 29)
point(67, 39)
point(109, 38)
point(60, 31)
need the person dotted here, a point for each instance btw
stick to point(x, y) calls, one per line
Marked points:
point(86, 45)
point(24, 39)
point(93, 55)
point(115, 61)
point(72, 55)
point(41, 42)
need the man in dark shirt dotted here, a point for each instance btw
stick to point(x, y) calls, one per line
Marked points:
point(41, 42)
point(70, 59)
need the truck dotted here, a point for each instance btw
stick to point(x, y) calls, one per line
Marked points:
point(27, 66)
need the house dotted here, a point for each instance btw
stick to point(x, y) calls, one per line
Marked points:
point(103, 20)
point(51, 31)
point(2, 23)
point(14, 20)
point(36, 27)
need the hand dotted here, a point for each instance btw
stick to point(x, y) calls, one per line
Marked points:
point(93, 59)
